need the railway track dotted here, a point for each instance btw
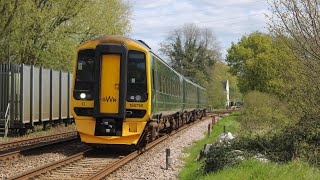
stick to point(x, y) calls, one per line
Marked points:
point(89, 165)
point(14, 149)
point(33, 141)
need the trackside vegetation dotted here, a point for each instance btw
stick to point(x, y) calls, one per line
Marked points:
point(254, 169)
point(193, 169)
point(250, 168)
point(279, 76)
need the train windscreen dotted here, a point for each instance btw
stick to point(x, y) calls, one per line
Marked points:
point(137, 79)
point(84, 80)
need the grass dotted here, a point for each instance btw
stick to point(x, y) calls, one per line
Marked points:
point(254, 169)
point(248, 169)
point(190, 171)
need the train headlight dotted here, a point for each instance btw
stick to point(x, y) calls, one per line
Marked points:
point(83, 95)
point(138, 97)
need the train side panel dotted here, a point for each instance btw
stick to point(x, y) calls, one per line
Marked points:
point(190, 96)
point(167, 89)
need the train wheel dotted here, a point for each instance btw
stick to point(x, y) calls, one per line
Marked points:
point(154, 133)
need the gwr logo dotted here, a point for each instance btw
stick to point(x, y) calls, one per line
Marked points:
point(109, 99)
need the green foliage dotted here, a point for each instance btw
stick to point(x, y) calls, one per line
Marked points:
point(221, 156)
point(304, 137)
point(192, 51)
point(263, 114)
point(247, 169)
point(47, 32)
point(254, 169)
point(259, 60)
point(193, 169)
point(216, 94)
point(299, 141)
point(268, 127)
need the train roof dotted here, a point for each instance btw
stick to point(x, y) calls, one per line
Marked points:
point(185, 78)
point(145, 45)
point(121, 38)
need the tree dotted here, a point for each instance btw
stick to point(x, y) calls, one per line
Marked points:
point(217, 97)
point(297, 23)
point(46, 32)
point(192, 51)
point(259, 61)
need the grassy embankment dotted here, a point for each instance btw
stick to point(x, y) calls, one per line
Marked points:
point(248, 169)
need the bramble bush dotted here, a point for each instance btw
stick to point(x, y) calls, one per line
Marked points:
point(267, 128)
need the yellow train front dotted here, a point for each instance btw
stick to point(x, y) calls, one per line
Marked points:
point(124, 94)
point(102, 101)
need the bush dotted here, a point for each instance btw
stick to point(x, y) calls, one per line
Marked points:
point(304, 137)
point(267, 128)
point(297, 141)
point(221, 156)
point(263, 114)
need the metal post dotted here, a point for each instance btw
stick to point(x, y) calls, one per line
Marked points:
point(224, 129)
point(12, 110)
point(40, 94)
point(7, 79)
point(209, 129)
point(60, 94)
point(50, 118)
point(68, 101)
point(168, 158)
point(31, 95)
point(21, 93)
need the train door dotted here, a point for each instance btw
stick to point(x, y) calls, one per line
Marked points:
point(110, 81)
point(110, 89)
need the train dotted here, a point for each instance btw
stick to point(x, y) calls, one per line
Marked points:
point(31, 96)
point(124, 94)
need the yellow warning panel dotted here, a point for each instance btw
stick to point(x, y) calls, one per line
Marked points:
point(110, 80)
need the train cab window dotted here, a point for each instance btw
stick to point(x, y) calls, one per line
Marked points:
point(137, 77)
point(84, 80)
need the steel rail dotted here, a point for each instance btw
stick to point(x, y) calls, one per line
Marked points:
point(33, 141)
point(14, 154)
point(43, 169)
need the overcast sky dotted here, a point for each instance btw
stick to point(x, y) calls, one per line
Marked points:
point(229, 19)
